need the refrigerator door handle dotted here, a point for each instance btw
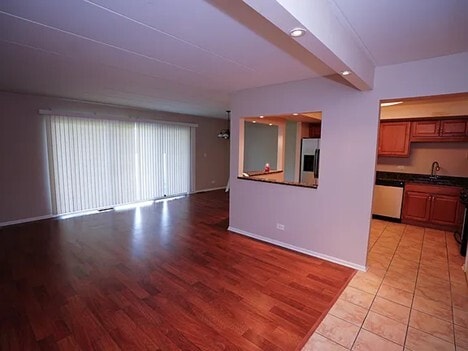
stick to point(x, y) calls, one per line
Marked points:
point(316, 163)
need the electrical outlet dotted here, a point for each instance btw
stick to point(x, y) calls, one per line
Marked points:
point(279, 226)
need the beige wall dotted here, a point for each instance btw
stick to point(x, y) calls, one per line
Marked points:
point(436, 106)
point(452, 157)
point(24, 184)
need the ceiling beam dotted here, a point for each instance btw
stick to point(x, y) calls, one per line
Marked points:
point(327, 37)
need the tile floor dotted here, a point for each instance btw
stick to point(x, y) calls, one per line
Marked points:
point(414, 296)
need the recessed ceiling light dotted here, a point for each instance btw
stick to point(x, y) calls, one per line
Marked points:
point(384, 104)
point(270, 124)
point(297, 32)
point(254, 121)
point(295, 114)
point(262, 116)
point(345, 73)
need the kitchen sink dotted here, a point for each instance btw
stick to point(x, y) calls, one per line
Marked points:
point(435, 181)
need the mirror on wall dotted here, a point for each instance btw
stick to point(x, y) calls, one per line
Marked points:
point(281, 149)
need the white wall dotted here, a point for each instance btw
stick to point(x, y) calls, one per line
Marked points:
point(332, 221)
point(24, 182)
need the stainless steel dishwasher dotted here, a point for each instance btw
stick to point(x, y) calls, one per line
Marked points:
point(388, 198)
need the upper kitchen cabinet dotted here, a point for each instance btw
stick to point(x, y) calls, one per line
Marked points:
point(439, 130)
point(454, 128)
point(315, 130)
point(394, 139)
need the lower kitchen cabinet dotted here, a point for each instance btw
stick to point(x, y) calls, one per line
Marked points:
point(434, 206)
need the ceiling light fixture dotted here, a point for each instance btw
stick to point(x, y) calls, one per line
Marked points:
point(270, 124)
point(297, 32)
point(262, 116)
point(225, 133)
point(385, 104)
point(295, 114)
point(254, 121)
point(345, 73)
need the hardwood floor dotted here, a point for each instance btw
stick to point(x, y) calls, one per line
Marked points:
point(164, 277)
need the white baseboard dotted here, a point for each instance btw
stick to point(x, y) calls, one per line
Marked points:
point(210, 189)
point(299, 249)
point(26, 220)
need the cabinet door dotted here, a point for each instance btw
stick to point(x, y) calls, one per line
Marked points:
point(394, 139)
point(445, 210)
point(453, 128)
point(315, 130)
point(416, 206)
point(425, 129)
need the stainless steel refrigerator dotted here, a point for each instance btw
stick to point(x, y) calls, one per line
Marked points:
point(310, 159)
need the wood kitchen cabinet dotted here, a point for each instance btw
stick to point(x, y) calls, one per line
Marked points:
point(439, 130)
point(451, 128)
point(394, 139)
point(315, 130)
point(436, 206)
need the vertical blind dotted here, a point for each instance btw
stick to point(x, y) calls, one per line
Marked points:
point(98, 164)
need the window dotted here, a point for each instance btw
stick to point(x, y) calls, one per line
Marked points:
point(97, 163)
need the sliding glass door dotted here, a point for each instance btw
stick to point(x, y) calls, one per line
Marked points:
point(97, 163)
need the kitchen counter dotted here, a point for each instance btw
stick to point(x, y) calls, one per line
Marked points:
point(423, 178)
point(272, 176)
point(313, 186)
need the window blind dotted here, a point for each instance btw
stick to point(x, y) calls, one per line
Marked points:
point(98, 163)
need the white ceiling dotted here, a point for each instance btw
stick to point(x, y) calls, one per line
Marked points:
point(188, 55)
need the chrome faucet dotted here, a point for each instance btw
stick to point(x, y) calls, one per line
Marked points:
point(434, 169)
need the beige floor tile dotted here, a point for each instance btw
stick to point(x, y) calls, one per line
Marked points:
point(400, 283)
point(402, 257)
point(396, 295)
point(457, 275)
point(412, 229)
point(460, 317)
point(460, 287)
point(404, 263)
point(319, 342)
point(377, 273)
point(366, 281)
point(397, 274)
point(391, 310)
point(357, 297)
point(431, 281)
point(440, 271)
point(436, 309)
point(338, 330)
point(461, 337)
point(377, 264)
point(385, 327)
point(432, 325)
point(436, 233)
point(417, 340)
point(367, 341)
point(460, 301)
point(395, 270)
point(437, 295)
point(349, 312)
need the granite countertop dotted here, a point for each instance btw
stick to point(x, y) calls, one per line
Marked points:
point(313, 186)
point(423, 178)
point(257, 173)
